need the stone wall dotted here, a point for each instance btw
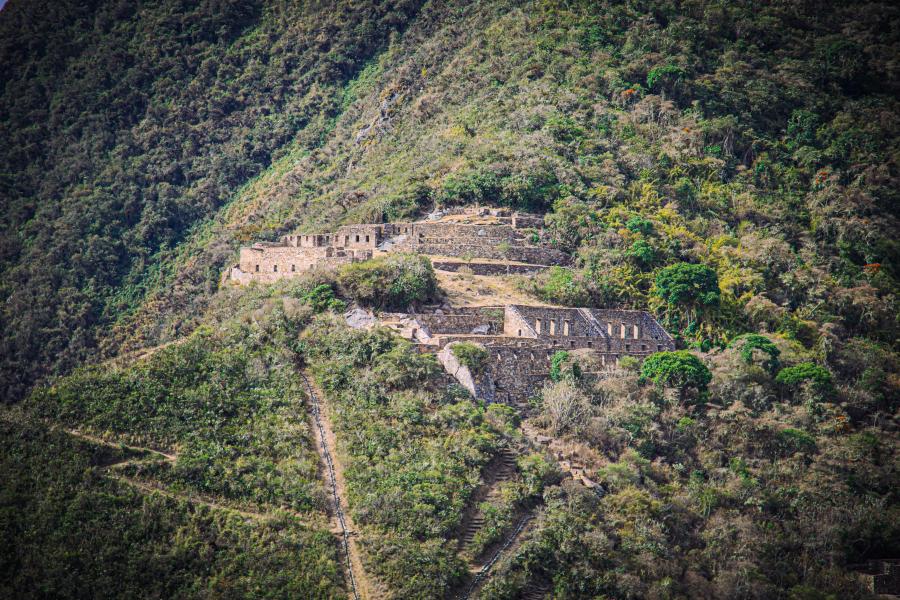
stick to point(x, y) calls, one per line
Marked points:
point(477, 268)
point(555, 321)
point(526, 221)
point(634, 325)
point(360, 236)
point(515, 324)
point(269, 263)
point(442, 324)
point(522, 340)
point(536, 255)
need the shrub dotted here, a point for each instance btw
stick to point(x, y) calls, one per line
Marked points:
point(795, 440)
point(403, 366)
point(560, 285)
point(679, 369)
point(470, 355)
point(752, 341)
point(537, 472)
point(665, 73)
point(642, 253)
point(687, 284)
point(638, 224)
point(391, 282)
point(557, 364)
point(564, 406)
point(321, 298)
point(503, 417)
point(819, 377)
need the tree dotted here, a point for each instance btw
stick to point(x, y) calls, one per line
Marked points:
point(679, 369)
point(564, 406)
point(470, 355)
point(390, 282)
point(749, 342)
point(690, 286)
point(557, 364)
point(818, 377)
point(642, 253)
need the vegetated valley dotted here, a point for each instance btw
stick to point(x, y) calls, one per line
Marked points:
point(730, 168)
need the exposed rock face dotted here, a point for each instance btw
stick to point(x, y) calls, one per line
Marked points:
point(481, 387)
point(358, 318)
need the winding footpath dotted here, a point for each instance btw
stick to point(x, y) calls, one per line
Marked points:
point(361, 588)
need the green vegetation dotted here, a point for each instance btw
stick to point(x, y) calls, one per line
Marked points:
point(69, 531)
point(679, 369)
point(686, 285)
point(752, 341)
point(240, 506)
point(227, 400)
point(563, 366)
point(818, 376)
point(391, 282)
point(412, 455)
point(470, 355)
point(730, 166)
point(742, 487)
point(125, 126)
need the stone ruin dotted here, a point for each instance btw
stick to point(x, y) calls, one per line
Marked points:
point(465, 238)
point(520, 341)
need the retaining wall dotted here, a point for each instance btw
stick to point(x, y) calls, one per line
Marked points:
point(477, 268)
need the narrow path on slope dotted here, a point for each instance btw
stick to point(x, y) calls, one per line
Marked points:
point(361, 587)
point(482, 575)
point(151, 488)
point(146, 486)
point(499, 470)
point(102, 442)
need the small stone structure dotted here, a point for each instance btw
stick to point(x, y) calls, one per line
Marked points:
point(521, 340)
point(467, 234)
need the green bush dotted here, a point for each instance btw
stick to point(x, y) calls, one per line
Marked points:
point(321, 298)
point(642, 253)
point(557, 366)
point(749, 342)
point(470, 355)
point(679, 369)
point(819, 377)
point(559, 285)
point(638, 224)
point(389, 282)
point(795, 440)
point(687, 284)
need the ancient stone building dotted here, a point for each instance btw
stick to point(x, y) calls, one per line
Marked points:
point(520, 341)
point(467, 235)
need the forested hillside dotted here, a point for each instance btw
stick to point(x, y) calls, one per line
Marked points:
point(126, 124)
point(730, 167)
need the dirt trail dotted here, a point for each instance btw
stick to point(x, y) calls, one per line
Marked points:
point(155, 488)
point(140, 354)
point(361, 586)
point(102, 442)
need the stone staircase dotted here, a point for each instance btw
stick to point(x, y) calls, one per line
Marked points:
point(501, 469)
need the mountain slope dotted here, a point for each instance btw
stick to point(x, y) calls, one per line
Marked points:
point(732, 168)
point(126, 124)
